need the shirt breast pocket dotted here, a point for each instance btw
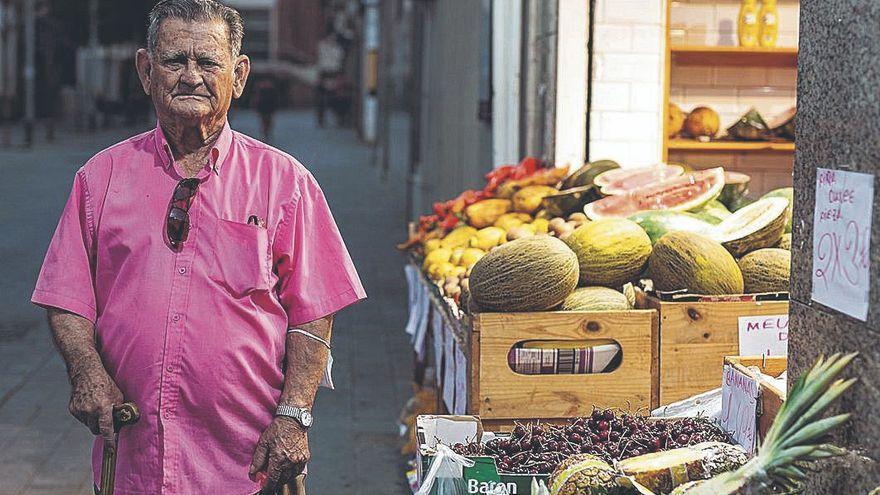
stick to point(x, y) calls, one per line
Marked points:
point(241, 258)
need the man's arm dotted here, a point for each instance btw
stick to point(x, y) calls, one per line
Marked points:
point(92, 392)
point(283, 449)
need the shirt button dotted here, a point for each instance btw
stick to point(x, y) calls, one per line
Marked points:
point(181, 270)
point(166, 414)
point(170, 369)
point(176, 317)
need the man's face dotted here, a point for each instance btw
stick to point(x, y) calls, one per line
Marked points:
point(192, 76)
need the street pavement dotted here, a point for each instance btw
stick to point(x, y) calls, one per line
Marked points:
point(354, 441)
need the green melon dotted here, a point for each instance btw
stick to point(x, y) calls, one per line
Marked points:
point(533, 273)
point(787, 193)
point(785, 242)
point(595, 299)
point(766, 270)
point(610, 252)
point(713, 212)
point(657, 223)
point(693, 262)
point(758, 225)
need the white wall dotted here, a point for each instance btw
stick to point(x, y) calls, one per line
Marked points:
point(626, 114)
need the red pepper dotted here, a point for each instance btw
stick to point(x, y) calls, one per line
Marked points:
point(449, 222)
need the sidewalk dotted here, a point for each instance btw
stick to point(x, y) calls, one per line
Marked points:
point(354, 441)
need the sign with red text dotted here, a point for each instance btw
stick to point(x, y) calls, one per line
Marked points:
point(763, 335)
point(739, 407)
point(841, 241)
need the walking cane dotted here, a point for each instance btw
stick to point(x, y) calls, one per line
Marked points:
point(124, 415)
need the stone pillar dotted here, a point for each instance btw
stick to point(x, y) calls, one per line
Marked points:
point(838, 127)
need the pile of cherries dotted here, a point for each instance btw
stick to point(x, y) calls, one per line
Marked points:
point(535, 448)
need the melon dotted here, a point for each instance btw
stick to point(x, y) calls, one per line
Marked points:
point(534, 273)
point(766, 270)
point(713, 212)
point(658, 223)
point(661, 472)
point(610, 252)
point(758, 225)
point(702, 122)
point(585, 474)
point(585, 175)
point(693, 262)
point(595, 299)
point(625, 180)
point(675, 120)
point(684, 193)
point(787, 193)
point(782, 125)
point(751, 126)
point(736, 186)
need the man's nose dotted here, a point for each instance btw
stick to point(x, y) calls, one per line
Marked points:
point(191, 75)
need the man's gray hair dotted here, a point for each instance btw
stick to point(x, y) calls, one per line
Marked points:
point(196, 10)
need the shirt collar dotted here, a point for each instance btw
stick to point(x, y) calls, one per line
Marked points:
point(218, 152)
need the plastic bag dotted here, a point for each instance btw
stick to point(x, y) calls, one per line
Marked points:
point(445, 473)
point(539, 488)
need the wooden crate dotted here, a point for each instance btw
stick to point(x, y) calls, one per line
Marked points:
point(498, 395)
point(696, 336)
point(771, 397)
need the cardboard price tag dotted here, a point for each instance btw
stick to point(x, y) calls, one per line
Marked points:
point(739, 407)
point(842, 241)
point(763, 335)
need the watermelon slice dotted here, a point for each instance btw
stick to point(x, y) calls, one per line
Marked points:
point(684, 193)
point(625, 180)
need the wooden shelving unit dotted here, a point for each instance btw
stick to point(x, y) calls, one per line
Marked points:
point(734, 55)
point(721, 56)
point(683, 144)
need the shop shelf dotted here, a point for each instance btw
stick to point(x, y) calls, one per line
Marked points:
point(681, 144)
point(734, 55)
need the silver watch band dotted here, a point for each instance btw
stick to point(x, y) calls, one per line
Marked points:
point(302, 415)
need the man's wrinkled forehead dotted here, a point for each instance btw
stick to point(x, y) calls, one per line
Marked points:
point(197, 38)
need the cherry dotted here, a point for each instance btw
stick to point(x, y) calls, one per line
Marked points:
point(603, 425)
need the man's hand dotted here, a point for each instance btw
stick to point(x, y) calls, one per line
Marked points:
point(92, 397)
point(282, 453)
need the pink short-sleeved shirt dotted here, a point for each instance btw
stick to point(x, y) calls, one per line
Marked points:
point(195, 336)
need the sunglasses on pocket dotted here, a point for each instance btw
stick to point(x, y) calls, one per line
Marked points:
point(177, 223)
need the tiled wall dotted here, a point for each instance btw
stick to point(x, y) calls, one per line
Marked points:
point(731, 91)
point(626, 116)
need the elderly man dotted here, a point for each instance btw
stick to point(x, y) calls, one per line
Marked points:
point(195, 271)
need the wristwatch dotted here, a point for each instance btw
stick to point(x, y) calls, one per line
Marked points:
point(302, 415)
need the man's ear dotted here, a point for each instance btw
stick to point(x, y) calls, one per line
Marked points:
point(143, 63)
point(242, 71)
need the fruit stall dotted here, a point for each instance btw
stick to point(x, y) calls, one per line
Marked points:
point(549, 300)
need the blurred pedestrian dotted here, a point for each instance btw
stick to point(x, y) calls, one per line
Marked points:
point(195, 271)
point(330, 58)
point(266, 101)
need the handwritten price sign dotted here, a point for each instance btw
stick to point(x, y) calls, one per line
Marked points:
point(763, 335)
point(739, 407)
point(841, 241)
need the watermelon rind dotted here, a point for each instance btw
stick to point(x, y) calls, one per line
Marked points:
point(736, 186)
point(585, 175)
point(650, 198)
point(654, 175)
point(758, 225)
point(657, 223)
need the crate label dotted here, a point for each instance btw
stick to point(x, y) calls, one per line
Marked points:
point(763, 335)
point(739, 407)
point(841, 241)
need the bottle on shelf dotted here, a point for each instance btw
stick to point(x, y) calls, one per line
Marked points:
point(769, 19)
point(748, 28)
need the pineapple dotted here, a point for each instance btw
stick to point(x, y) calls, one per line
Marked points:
point(792, 438)
point(585, 474)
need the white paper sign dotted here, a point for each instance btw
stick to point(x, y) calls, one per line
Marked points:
point(739, 407)
point(841, 241)
point(461, 368)
point(419, 308)
point(448, 368)
point(763, 335)
point(437, 334)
